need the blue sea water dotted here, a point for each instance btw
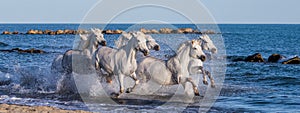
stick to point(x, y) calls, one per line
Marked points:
point(248, 87)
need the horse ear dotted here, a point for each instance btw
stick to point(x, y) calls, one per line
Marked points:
point(201, 37)
point(134, 34)
point(193, 41)
point(205, 36)
point(200, 41)
point(92, 29)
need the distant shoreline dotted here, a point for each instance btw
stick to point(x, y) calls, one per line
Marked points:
point(25, 23)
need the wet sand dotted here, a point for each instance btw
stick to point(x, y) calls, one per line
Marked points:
point(5, 108)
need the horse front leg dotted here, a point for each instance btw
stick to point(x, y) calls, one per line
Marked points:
point(133, 76)
point(212, 81)
point(121, 81)
point(195, 88)
point(204, 75)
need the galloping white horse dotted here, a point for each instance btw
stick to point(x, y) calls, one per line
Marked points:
point(174, 71)
point(123, 40)
point(80, 57)
point(196, 65)
point(122, 61)
point(79, 45)
point(83, 51)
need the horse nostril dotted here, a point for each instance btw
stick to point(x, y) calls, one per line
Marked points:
point(214, 50)
point(202, 58)
point(103, 43)
point(157, 48)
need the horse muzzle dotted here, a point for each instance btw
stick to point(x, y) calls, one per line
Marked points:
point(156, 47)
point(202, 58)
point(214, 50)
point(103, 43)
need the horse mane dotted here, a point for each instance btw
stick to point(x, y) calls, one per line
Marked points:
point(149, 38)
point(120, 42)
point(85, 40)
point(80, 43)
point(182, 45)
point(90, 41)
point(205, 38)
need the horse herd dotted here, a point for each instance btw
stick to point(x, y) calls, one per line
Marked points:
point(90, 54)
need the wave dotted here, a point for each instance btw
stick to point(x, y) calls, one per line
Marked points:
point(3, 44)
point(29, 80)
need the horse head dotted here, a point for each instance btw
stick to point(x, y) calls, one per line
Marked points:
point(196, 50)
point(140, 42)
point(98, 36)
point(207, 44)
point(151, 43)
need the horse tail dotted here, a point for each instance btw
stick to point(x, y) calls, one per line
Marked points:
point(96, 59)
point(67, 67)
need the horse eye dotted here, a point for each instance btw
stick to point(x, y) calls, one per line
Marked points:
point(195, 48)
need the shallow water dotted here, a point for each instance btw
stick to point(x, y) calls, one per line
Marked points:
point(26, 79)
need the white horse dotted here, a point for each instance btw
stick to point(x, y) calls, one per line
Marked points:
point(78, 60)
point(122, 61)
point(196, 65)
point(84, 56)
point(175, 70)
point(87, 43)
point(123, 40)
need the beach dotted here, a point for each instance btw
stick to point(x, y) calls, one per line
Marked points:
point(6, 108)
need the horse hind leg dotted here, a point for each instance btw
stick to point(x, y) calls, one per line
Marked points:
point(109, 72)
point(133, 76)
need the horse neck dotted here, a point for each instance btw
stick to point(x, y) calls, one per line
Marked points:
point(130, 51)
point(121, 42)
point(92, 45)
point(183, 56)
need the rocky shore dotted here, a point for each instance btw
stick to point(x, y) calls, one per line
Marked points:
point(81, 31)
point(5, 108)
point(274, 58)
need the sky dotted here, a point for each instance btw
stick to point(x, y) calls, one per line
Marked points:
point(223, 11)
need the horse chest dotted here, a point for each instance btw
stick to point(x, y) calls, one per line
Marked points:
point(124, 63)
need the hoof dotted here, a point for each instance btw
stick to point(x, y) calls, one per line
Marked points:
point(121, 91)
point(129, 90)
point(213, 86)
point(115, 95)
point(196, 92)
point(108, 80)
point(205, 82)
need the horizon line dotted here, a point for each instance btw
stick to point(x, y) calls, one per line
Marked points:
point(144, 23)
